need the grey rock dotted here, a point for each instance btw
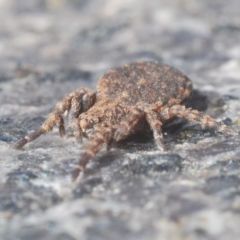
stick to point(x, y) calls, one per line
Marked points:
point(48, 49)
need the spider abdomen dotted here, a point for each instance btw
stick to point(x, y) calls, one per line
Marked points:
point(147, 82)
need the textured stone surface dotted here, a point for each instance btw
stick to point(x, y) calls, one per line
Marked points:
point(48, 49)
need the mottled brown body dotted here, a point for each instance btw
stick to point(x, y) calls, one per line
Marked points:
point(126, 98)
point(145, 83)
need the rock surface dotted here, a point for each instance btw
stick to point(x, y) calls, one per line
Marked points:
point(48, 49)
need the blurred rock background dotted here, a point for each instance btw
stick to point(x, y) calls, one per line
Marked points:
point(48, 49)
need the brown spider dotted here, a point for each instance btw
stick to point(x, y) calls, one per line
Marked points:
point(126, 97)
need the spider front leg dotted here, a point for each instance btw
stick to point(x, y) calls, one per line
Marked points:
point(195, 116)
point(80, 102)
point(156, 126)
point(127, 127)
point(75, 103)
point(100, 137)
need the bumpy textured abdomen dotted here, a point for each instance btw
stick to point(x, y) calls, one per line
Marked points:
point(147, 82)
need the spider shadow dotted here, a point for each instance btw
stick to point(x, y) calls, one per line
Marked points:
point(109, 159)
point(198, 101)
point(104, 160)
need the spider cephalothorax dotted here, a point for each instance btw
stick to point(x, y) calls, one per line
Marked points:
point(126, 97)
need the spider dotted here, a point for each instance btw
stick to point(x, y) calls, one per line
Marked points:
point(125, 98)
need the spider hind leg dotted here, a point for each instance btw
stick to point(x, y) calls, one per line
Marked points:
point(198, 117)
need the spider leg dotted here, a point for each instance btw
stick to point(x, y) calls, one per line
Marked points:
point(126, 128)
point(195, 116)
point(100, 137)
point(80, 102)
point(56, 118)
point(156, 126)
point(77, 130)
